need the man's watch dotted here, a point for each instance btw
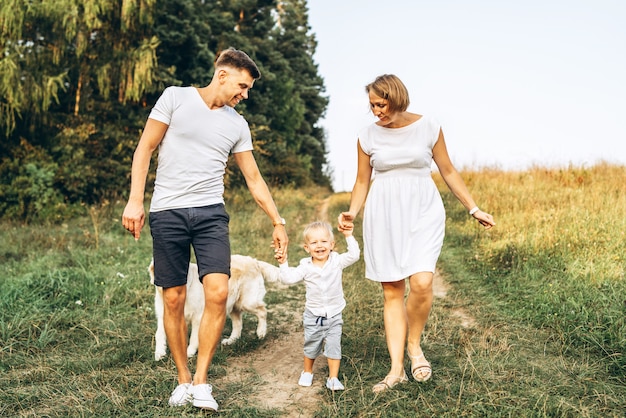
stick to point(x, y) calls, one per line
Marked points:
point(280, 222)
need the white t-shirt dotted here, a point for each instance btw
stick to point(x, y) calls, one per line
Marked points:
point(194, 151)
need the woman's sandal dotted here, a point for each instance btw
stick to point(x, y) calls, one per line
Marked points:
point(388, 382)
point(420, 369)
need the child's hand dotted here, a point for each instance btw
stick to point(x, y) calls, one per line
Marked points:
point(345, 223)
point(279, 254)
point(346, 228)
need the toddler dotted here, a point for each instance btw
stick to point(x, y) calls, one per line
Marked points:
point(321, 273)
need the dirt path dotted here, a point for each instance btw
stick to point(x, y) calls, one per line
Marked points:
point(276, 366)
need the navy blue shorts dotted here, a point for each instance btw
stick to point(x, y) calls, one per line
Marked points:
point(175, 231)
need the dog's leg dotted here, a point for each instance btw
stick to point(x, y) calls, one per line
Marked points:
point(261, 328)
point(237, 322)
point(159, 336)
point(192, 348)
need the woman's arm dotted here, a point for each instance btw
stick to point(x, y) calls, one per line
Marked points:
point(359, 191)
point(455, 182)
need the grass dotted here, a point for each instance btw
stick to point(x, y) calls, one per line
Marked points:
point(557, 258)
point(545, 290)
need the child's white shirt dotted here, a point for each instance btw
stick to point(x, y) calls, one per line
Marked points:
point(324, 290)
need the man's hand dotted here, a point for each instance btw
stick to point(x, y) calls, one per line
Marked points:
point(280, 242)
point(133, 218)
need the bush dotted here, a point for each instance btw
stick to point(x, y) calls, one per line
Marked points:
point(27, 187)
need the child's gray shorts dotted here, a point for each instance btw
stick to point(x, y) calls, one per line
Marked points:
point(322, 333)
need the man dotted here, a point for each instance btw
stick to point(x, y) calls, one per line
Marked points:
point(195, 130)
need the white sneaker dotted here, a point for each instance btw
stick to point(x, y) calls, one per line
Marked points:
point(202, 396)
point(181, 395)
point(333, 383)
point(306, 379)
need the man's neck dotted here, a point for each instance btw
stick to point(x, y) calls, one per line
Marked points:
point(209, 96)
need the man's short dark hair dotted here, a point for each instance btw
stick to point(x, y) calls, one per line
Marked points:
point(239, 60)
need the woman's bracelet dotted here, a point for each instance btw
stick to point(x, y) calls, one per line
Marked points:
point(473, 210)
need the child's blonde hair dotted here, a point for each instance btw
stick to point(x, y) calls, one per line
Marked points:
point(317, 225)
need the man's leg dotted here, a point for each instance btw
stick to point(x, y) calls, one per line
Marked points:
point(176, 329)
point(212, 324)
point(171, 252)
point(212, 248)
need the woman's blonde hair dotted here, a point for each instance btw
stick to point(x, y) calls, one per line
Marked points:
point(392, 89)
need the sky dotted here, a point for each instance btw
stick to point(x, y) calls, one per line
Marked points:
point(514, 84)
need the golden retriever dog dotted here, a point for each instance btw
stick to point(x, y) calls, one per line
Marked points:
point(246, 291)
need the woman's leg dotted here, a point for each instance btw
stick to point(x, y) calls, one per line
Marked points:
point(395, 319)
point(418, 305)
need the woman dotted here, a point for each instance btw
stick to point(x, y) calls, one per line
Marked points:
point(404, 219)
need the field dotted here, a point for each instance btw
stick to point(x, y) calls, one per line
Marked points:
point(529, 319)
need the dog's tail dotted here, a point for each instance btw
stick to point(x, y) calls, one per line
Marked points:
point(270, 272)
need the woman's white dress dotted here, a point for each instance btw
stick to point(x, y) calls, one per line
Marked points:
point(404, 217)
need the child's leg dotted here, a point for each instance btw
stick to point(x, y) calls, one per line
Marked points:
point(306, 377)
point(308, 364)
point(332, 349)
point(333, 353)
point(313, 340)
point(333, 367)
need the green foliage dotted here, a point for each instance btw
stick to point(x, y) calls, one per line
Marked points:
point(93, 160)
point(78, 79)
point(184, 30)
point(287, 103)
point(92, 49)
point(294, 91)
point(26, 190)
point(74, 66)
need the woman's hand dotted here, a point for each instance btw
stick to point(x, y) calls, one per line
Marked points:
point(485, 219)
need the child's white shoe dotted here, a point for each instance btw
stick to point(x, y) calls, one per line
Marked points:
point(333, 383)
point(306, 379)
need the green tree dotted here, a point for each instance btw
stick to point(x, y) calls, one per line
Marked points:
point(287, 102)
point(298, 46)
point(87, 47)
point(79, 77)
point(71, 66)
point(185, 30)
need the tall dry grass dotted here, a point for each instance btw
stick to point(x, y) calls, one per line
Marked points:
point(556, 257)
